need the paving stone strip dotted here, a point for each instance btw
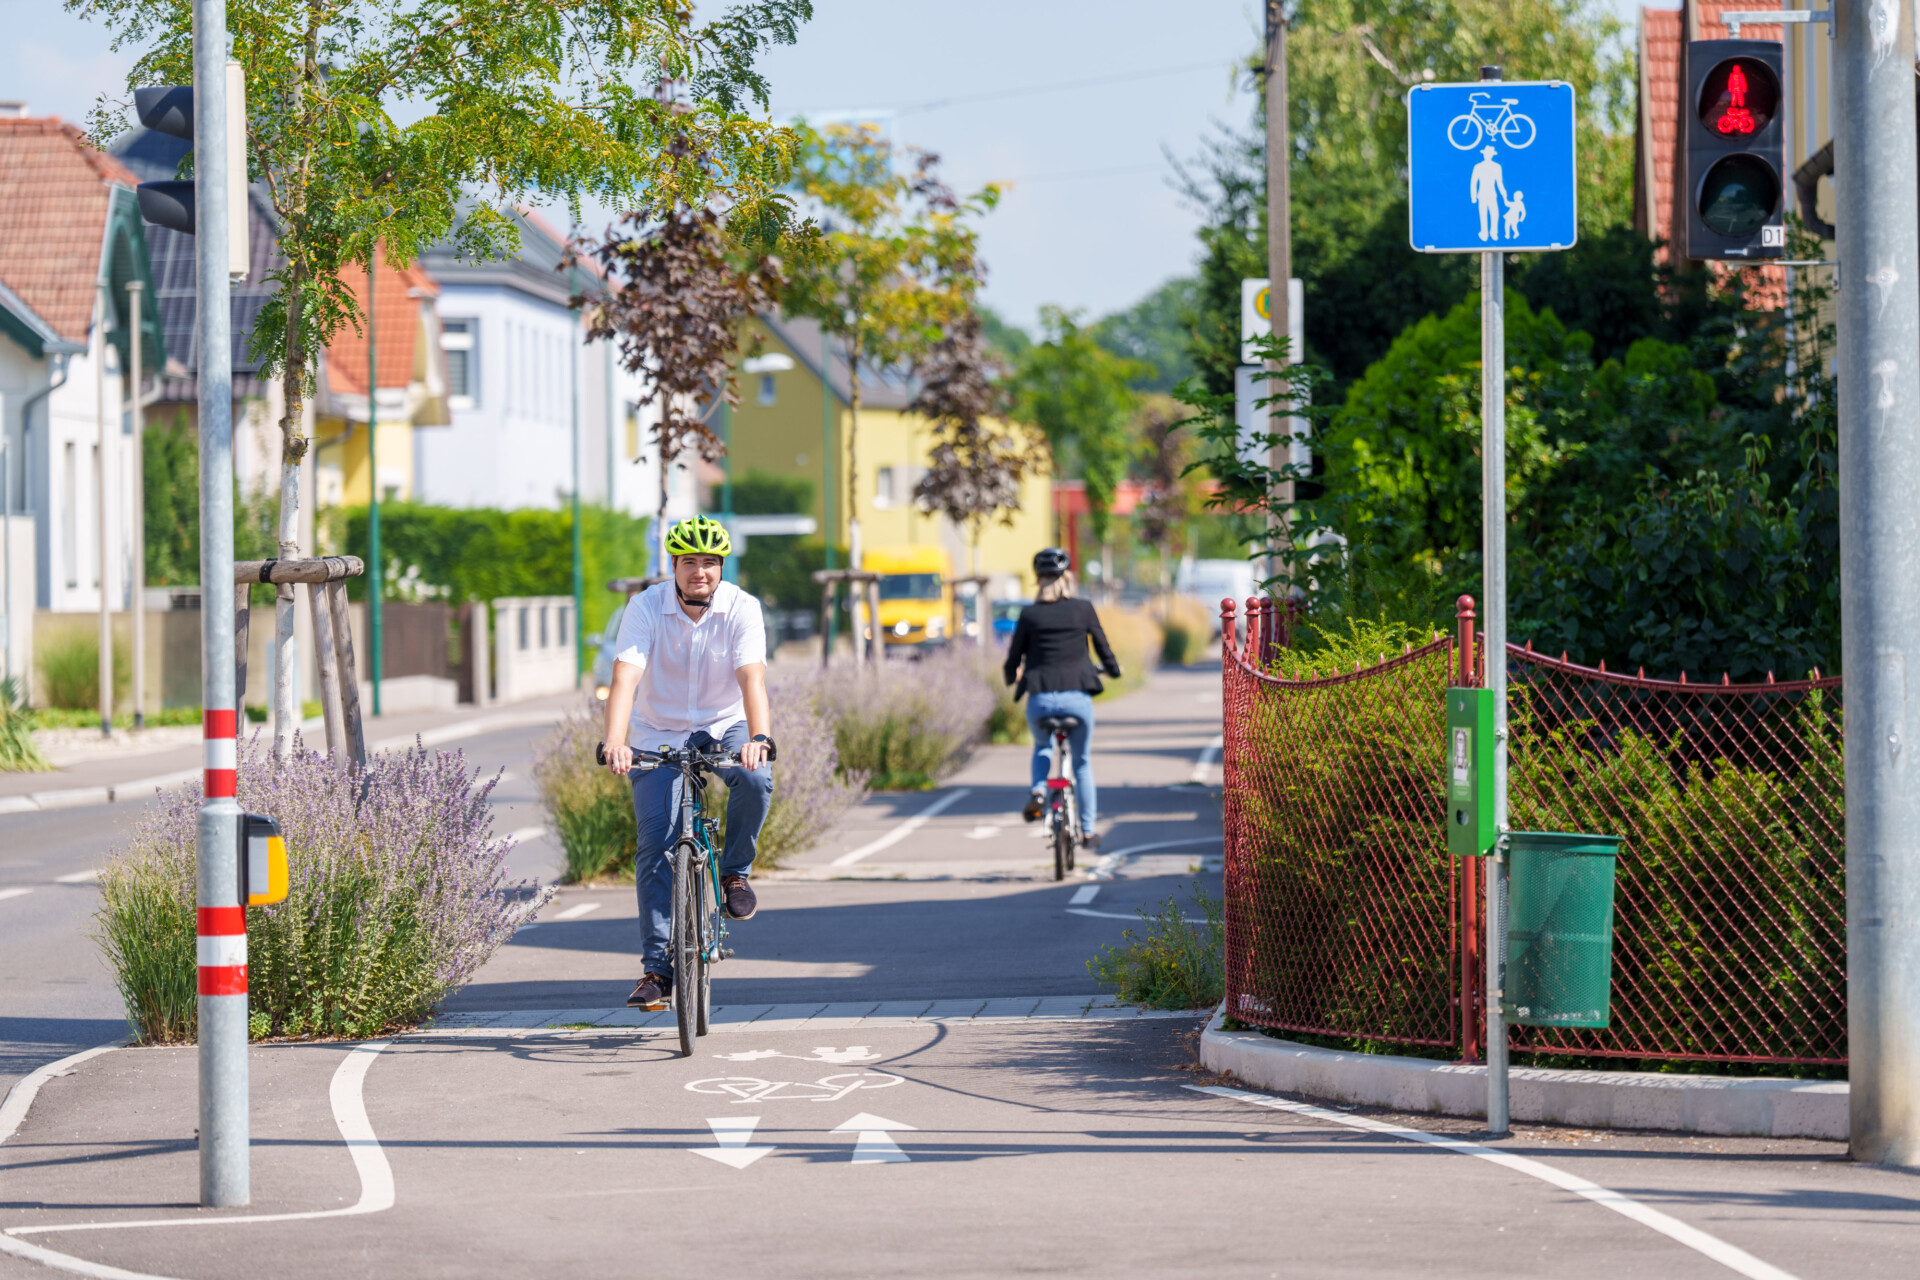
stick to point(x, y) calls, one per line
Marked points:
point(798, 1017)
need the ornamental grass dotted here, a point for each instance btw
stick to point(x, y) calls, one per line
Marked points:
point(397, 897)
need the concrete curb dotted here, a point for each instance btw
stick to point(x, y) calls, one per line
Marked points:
point(143, 788)
point(1768, 1108)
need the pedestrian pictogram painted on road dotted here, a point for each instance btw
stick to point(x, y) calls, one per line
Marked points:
point(1491, 166)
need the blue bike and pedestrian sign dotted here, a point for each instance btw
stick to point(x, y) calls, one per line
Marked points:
point(1491, 166)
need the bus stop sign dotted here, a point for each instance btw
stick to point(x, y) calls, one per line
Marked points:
point(1490, 166)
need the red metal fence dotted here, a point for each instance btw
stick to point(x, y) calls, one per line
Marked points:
point(1346, 917)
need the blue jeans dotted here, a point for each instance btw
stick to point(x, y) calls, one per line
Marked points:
point(656, 811)
point(1079, 746)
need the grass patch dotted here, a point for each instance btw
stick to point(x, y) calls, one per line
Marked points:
point(1173, 962)
point(70, 672)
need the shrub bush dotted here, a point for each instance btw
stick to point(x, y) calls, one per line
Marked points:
point(1185, 629)
point(17, 752)
point(70, 672)
point(1177, 963)
point(909, 723)
point(396, 897)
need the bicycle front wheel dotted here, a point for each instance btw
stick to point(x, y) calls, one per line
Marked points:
point(709, 942)
point(1464, 131)
point(688, 967)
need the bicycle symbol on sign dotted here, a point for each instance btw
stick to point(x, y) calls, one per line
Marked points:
point(1483, 119)
point(826, 1089)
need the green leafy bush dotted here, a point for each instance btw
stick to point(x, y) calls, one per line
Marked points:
point(70, 672)
point(1176, 962)
point(17, 752)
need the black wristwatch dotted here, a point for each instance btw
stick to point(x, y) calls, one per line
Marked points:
point(773, 752)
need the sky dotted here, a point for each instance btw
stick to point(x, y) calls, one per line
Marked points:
point(1091, 221)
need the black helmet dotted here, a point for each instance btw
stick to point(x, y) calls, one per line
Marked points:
point(1051, 563)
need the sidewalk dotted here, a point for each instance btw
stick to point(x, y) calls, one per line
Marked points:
point(166, 761)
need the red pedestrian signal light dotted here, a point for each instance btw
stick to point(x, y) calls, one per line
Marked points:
point(1734, 150)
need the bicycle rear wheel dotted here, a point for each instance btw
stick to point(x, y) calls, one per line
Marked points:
point(1073, 828)
point(709, 941)
point(688, 969)
point(1062, 841)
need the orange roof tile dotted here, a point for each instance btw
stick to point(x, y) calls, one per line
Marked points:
point(55, 192)
point(396, 324)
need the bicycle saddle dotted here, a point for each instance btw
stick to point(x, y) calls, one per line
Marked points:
point(1059, 724)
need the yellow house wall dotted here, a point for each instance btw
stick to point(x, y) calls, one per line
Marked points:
point(786, 438)
point(349, 458)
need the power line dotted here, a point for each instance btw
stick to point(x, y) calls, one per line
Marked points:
point(1029, 91)
point(1083, 173)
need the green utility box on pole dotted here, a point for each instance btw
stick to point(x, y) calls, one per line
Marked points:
point(1559, 928)
point(1469, 780)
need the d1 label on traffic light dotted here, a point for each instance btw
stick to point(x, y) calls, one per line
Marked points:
point(1734, 131)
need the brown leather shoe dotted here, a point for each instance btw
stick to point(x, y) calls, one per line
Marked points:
point(650, 992)
point(742, 902)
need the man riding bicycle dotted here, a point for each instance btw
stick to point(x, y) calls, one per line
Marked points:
point(690, 669)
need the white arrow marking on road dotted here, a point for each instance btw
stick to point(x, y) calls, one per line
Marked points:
point(732, 1133)
point(874, 1146)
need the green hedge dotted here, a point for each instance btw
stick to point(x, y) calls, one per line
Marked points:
point(481, 553)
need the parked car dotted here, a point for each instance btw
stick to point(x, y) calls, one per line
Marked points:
point(1210, 581)
point(1006, 615)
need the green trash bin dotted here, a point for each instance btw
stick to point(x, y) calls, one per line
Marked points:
point(1559, 928)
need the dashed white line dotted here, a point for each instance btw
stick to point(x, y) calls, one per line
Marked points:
point(577, 910)
point(79, 877)
point(905, 829)
point(1083, 895)
point(13, 893)
point(1727, 1255)
point(1110, 862)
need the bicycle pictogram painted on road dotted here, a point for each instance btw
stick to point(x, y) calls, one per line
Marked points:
point(826, 1089)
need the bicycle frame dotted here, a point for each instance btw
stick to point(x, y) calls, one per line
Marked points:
point(1063, 805)
point(702, 829)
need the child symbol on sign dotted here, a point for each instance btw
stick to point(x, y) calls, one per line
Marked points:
point(1516, 214)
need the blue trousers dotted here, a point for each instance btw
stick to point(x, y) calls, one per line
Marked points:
point(656, 811)
point(1079, 746)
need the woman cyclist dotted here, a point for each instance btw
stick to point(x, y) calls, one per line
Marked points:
point(1059, 679)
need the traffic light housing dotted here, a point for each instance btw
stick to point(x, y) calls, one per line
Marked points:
point(1733, 121)
point(168, 109)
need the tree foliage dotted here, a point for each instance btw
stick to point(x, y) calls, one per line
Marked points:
point(978, 458)
point(1080, 396)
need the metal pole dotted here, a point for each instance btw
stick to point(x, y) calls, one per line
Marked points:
point(102, 555)
point(1493, 519)
point(828, 528)
point(135, 288)
point(373, 493)
point(1279, 264)
point(731, 570)
point(1879, 405)
point(222, 919)
point(579, 571)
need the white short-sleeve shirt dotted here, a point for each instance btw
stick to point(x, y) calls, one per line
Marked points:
point(687, 679)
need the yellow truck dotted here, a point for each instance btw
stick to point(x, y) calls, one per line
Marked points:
point(916, 602)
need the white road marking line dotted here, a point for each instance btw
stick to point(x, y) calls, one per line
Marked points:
point(525, 834)
point(79, 877)
point(13, 893)
point(349, 1113)
point(825, 1053)
point(1727, 1255)
point(1110, 862)
point(985, 832)
point(21, 1096)
point(1083, 895)
point(732, 1133)
point(1208, 754)
point(577, 910)
point(875, 1145)
point(1121, 915)
point(905, 829)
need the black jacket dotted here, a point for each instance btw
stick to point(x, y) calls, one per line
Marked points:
point(1052, 637)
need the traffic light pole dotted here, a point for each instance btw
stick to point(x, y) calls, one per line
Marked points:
point(1879, 404)
point(222, 933)
point(1493, 533)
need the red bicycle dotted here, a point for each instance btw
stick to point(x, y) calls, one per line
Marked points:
point(1063, 807)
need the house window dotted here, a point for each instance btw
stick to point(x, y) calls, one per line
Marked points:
point(457, 340)
point(883, 488)
point(543, 626)
point(69, 515)
point(523, 626)
point(766, 388)
point(564, 611)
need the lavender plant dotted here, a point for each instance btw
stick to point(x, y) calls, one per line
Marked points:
point(907, 724)
point(397, 897)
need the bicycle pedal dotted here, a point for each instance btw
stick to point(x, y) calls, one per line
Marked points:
point(726, 953)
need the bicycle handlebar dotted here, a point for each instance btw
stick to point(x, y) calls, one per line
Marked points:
point(713, 758)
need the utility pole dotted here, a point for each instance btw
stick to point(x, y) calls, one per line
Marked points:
point(135, 290)
point(1879, 404)
point(1493, 533)
point(579, 578)
point(373, 491)
point(222, 920)
point(103, 297)
point(1279, 246)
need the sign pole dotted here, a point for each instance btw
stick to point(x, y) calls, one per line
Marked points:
point(1493, 521)
point(1879, 404)
point(222, 920)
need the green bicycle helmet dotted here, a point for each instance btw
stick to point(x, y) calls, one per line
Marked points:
point(699, 536)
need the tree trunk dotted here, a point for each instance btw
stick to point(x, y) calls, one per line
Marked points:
point(293, 450)
point(853, 460)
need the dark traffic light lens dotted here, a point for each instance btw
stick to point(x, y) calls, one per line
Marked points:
point(1739, 195)
point(1739, 97)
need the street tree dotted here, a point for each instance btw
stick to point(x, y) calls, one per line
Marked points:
point(979, 458)
point(1080, 396)
point(676, 301)
point(1171, 499)
point(501, 104)
point(897, 260)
